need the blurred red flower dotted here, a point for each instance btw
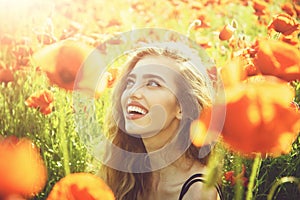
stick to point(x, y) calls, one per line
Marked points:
point(208, 2)
point(204, 42)
point(81, 186)
point(233, 72)
point(206, 129)
point(107, 81)
point(22, 169)
point(284, 23)
point(199, 129)
point(113, 74)
point(232, 179)
point(227, 32)
point(245, 2)
point(46, 38)
point(297, 8)
point(7, 39)
point(62, 60)
point(196, 5)
point(289, 9)
point(251, 69)
point(291, 39)
point(204, 22)
point(259, 7)
point(22, 54)
point(113, 22)
point(42, 100)
point(13, 197)
point(278, 59)
point(254, 113)
point(21, 51)
point(6, 75)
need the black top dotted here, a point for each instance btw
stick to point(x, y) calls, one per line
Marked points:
point(193, 179)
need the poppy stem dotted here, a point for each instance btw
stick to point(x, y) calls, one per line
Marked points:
point(253, 176)
point(276, 36)
point(238, 188)
point(196, 22)
point(64, 145)
point(280, 182)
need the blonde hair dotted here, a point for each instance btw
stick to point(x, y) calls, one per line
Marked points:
point(128, 186)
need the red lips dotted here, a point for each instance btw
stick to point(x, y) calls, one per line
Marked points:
point(135, 110)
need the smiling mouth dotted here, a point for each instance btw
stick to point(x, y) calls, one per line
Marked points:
point(135, 112)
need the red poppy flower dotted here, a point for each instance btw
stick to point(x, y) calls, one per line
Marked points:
point(251, 69)
point(6, 75)
point(41, 100)
point(205, 130)
point(113, 74)
point(114, 22)
point(196, 5)
point(138, 6)
point(204, 22)
point(61, 61)
point(13, 197)
point(22, 169)
point(227, 32)
point(185, 1)
point(205, 44)
point(81, 186)
point(46, 38)
point(278, 59)
point(254, 113)
point(208, 2)
point(294, 106)
point(107, 81)
point(291, 39)
point(245, 2)
point(233, 72)
point(259, 7)
point(297, 9)
point(284, 23)
point(7, 39)
point(289, 9)
point(21, 51)
point(232, 179)
point(22, 54)
point(199, 129)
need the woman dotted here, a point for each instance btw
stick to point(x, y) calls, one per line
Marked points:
point(158, 96)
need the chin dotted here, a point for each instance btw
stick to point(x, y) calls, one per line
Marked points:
point(142, 132)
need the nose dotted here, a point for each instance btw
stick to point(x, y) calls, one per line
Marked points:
point(136, 92)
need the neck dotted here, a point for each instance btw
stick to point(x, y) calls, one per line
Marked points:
point(161, 139)
point(170, 179)
point(183, 163)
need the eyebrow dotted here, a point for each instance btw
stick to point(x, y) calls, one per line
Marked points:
point(148, 76)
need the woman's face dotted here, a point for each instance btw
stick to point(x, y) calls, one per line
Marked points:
point(149, 104)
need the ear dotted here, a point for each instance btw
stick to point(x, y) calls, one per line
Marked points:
point(178, 113)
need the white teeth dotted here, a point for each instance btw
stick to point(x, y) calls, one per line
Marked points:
point(136, 109)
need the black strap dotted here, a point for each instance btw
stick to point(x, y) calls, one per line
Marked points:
point(193, 179)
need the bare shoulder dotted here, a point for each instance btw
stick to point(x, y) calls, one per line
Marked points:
point(199, 191)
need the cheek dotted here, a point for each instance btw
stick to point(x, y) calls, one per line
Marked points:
point(169, 101)
point(123, 102)
point(123, 99)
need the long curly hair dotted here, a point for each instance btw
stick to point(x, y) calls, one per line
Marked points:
point(126, 185)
